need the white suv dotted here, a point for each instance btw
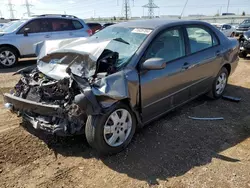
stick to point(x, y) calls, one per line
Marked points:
point(18, 39)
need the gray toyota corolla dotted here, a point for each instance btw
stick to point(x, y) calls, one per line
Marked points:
point(122, 78)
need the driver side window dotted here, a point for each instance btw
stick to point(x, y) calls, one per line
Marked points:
point(169, 45)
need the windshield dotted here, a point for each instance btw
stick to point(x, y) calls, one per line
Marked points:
point(12, 26)
point(126, 41)
point(245, 23)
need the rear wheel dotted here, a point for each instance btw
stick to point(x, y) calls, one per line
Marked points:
point(220, 84)
point(112, 132)
point(242, 54)
point(8, 57)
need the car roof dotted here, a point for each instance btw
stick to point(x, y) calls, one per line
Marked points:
point(156, 23)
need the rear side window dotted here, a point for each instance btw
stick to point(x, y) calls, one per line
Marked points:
point(77, 24)
point(200, 38)
point(62, 25)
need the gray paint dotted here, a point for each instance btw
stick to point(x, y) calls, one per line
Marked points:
point(152, 93)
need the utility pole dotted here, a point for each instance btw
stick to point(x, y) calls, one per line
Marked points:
point(151, 6)
point(126, 11)
point(28, 5)
point(11, 9)
point(182, 12)
point(228, 3)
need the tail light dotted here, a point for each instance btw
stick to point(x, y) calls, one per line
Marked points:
point(90, 32)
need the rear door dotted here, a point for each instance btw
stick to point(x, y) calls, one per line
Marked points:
point(39, 30)
point(161, 90)
point(204, 57)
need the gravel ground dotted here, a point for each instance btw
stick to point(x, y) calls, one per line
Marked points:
point(174, 151)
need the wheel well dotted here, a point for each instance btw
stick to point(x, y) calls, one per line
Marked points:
point(228, 67)
point(11, 46)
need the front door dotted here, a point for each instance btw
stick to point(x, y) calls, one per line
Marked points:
point(161, 90)
point(39, 30)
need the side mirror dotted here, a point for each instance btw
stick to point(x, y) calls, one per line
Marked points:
point(26, 31)
point(154, 64)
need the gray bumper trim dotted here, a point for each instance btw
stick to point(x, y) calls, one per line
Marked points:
point(20, 104)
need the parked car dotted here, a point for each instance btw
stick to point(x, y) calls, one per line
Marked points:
point(18, 39)
point(244, 26)
point(244, 44)
point(94, 27)
point(227, 29)
point(107, 24)
point(1, 25)
point(122, 78)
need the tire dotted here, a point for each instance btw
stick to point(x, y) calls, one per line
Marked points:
point(8, 57)
point(96, 137)
point(242, 54)
point(215, 93)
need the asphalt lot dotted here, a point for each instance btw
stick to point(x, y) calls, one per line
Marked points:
point(173, 151)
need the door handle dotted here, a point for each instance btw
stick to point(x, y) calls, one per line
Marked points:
point(218, 53)
point(47, 36)
point(185, 66)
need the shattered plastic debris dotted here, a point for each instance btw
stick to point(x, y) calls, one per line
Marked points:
point(206, 119)
point(230, 98)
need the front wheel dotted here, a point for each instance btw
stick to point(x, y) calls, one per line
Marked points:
point(219, 84)
point(112, 132)
point(8, 57)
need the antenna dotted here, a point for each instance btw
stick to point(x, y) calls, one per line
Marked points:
point(11, 9)
point(28, 5)
point(126, 11)
point(151, 6)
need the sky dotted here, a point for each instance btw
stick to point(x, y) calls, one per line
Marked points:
point(108, 8)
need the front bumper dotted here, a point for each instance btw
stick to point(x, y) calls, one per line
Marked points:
point(239, 32)
point(20, 104)
point(49, 118)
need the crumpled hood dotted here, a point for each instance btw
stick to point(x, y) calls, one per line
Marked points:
point(87, 51)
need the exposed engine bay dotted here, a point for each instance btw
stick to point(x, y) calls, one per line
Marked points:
point(37, 87)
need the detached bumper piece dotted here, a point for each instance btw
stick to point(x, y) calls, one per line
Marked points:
point(20, 104)
point(49, 118)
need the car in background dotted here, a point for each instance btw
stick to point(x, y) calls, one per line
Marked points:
point(18, 39)
point(244, 44)
point(227, 29)
point(2, 25)
point(107, 24)
point(94, 27)
point(243, 27)
point(122, 78)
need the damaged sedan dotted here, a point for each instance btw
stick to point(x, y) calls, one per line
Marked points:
point(122, 78)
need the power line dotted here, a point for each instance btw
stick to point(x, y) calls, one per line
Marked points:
point(28, 5)
point(151, 6)
point(11, 9)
